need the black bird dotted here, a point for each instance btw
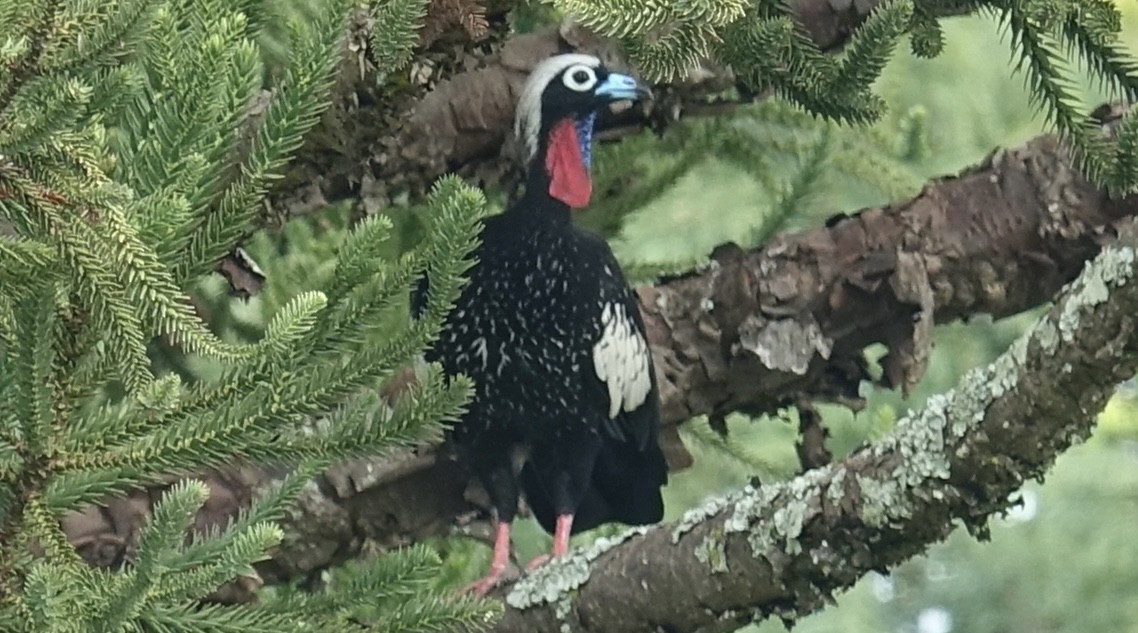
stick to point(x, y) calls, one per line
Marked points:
point(565, 409)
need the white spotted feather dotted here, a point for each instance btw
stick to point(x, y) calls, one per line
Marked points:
point(621, 359)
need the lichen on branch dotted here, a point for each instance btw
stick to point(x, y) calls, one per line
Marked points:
point(784, 550)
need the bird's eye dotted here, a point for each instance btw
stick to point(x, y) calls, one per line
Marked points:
point(580, 78)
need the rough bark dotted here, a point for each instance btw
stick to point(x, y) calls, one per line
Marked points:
point(757, 327)
point(784, 550)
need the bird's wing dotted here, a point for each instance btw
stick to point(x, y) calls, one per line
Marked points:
point(620, 372)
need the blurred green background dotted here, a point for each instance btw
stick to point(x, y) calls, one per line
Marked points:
point(1064, 560)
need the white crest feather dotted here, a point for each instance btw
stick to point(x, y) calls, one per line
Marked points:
point(527, 121)
point(621, 359)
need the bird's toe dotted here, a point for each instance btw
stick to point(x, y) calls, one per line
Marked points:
point(486, 584)
point(537, 562)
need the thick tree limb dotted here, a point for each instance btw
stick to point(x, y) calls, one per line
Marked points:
point(751, 331)
point(793, 316)
point(783, 550)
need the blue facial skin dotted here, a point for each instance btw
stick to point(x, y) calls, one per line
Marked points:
point(584, 127)
point(617, 86)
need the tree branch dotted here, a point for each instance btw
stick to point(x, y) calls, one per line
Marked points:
point(784, 550)
point(792, 317)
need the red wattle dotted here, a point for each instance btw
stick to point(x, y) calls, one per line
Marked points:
point(569, 182)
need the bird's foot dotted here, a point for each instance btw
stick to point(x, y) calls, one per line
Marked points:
point(484, 585)
point(560, 542)
point(538, 562)
point(499, 563)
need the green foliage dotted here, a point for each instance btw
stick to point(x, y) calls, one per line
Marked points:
point(137, 140)
point(767, 49)
point(792, 159)
point(400, 594)
point(396, 32)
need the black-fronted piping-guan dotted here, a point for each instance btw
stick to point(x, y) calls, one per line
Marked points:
point(565, 409)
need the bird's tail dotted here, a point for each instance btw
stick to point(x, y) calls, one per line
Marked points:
point(624, 488)
point(628, 480)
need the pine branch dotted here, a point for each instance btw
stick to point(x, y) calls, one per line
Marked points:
point(287, 119)
point(42, 109)
point(1110, 63)
point(100, 192)
point(33, 400)
point(103, 42)
point(167, 528)
point(869, 49)
point(42, 14)
point(395, 32)
point(738, 451)
point(395, 593)
point(620, 18)
point(792, 197)
point(1045, 71)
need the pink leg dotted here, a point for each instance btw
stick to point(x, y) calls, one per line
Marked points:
point(561, 534)
point(498, 564)
point(560, 540)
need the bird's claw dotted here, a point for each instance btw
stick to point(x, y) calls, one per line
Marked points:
point(486, 584)
point(482, 586)
point(537, 562)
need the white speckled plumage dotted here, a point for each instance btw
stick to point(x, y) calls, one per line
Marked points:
point(550, 332)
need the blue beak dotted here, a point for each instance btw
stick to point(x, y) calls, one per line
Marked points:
point(617, 87)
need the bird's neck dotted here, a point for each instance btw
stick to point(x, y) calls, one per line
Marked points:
point(559, 177)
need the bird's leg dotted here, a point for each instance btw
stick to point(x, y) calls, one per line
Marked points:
point(561, 534)
point(560, 541)
point(498, 563)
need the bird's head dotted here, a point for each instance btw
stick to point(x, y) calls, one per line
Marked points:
point(555, 115)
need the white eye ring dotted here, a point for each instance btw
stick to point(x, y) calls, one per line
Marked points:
point(579, 78)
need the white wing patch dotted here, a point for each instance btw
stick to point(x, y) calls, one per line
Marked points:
point(621, 360)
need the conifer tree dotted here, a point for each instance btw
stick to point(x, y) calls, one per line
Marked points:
point(131, 163)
